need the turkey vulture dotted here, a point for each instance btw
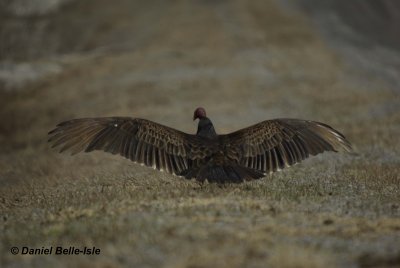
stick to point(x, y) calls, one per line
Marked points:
point(246, 154)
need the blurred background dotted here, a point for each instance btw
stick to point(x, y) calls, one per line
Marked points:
point(259, 57)
point(332, 61)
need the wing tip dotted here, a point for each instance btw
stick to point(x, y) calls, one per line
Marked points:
point(341, 140)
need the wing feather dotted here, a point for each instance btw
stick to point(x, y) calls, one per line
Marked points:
point(274, 144)
point(139, 140)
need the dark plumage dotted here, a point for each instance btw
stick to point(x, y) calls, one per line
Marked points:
point(246, 154)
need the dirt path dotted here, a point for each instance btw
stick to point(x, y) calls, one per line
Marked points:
point(244, 62)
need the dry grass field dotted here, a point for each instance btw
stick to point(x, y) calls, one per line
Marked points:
point(244, 61)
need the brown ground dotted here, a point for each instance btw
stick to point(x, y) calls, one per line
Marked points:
point(244, 62)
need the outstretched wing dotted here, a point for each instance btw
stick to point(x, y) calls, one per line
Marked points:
point(139, 140)
point(274, 144)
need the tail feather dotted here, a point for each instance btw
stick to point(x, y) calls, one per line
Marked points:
point(221, 174)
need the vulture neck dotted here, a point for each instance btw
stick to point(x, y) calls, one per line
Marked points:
point(206, 129)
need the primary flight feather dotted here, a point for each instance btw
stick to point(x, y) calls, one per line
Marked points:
point(246, 154)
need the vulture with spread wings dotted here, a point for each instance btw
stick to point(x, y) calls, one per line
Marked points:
point(246, 154)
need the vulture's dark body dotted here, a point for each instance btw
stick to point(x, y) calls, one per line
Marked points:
point(246, 154)
point(221, 164)
point(206, 129)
